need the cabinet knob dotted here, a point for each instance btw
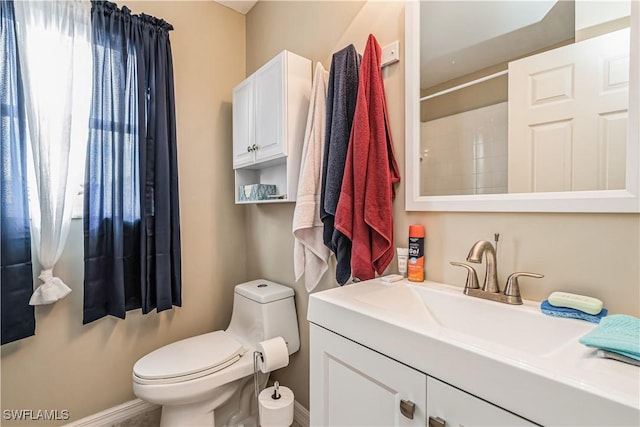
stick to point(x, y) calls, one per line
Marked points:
point(437, 422)
point(407, 408)
point(254, 147)
point(249, 148)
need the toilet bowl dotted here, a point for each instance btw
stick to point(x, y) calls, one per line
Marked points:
point(194, 378)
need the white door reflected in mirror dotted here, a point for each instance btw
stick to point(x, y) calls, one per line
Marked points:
point(568, 111)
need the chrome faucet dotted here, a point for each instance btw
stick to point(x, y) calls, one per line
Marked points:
point(484, 247)
point(490, 288)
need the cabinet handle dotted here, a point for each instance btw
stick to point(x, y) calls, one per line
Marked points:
point(437, 422)
point(407, 408)
point(254, 147)
point(249, 149)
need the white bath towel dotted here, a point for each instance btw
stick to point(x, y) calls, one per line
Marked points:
point(310, 255)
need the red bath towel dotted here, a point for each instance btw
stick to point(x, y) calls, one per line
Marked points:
point(364, 212)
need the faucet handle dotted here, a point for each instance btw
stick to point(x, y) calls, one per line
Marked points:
point(472, 276)
point(512, 288)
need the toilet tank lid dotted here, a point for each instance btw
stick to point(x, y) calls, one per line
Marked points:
point(264, 291)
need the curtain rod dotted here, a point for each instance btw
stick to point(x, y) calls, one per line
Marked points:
point(464, 85)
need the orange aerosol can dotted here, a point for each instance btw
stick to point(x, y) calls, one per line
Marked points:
point(415, 266)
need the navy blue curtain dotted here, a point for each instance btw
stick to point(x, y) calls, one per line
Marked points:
point(159, 167)
point(131, 219)
point(16, 279)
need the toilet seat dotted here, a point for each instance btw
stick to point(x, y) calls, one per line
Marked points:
point(188, 359)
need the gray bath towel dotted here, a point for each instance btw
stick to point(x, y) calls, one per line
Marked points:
point(341, 104)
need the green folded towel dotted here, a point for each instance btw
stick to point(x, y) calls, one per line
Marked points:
point(619, 333)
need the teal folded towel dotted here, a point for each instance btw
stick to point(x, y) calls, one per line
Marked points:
point(619, 333)
point(572, 313)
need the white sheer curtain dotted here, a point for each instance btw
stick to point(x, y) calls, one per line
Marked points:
point(54, 41)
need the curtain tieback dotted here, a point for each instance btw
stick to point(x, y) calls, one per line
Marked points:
point(51, 290)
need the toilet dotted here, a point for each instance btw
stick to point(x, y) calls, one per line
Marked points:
point(213, 373)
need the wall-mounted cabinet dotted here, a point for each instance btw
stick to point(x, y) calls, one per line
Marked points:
point(269, 117)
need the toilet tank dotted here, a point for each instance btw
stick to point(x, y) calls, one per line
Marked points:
point(262, 310)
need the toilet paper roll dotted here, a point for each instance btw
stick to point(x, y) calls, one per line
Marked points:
point(276, 412)
point(275, 354)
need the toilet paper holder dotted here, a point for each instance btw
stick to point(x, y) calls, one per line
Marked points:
point(257, 355)
point(276, 391)
point(270, 355)
point(276, 407)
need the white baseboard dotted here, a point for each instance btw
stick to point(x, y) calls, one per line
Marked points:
point(300, 414)
point(115, 415)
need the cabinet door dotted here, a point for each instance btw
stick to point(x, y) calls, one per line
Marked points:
point(455, 407)
point(270, 110)
point(352, 385)
point(243, 130)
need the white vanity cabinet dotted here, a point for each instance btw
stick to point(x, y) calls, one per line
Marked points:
point(269, 117)
point(454, 407)
point(352, 385)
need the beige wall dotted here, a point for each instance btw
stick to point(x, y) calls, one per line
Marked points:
point(87, 369)
point(594, 254)
point(315, 30)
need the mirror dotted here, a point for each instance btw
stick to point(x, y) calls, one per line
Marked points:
point(520, 145)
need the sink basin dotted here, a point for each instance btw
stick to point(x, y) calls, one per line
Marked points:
point(508, 326)
point(499, 323)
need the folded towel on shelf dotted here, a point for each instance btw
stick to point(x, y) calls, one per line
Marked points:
point(571, 313)
point(618, 333)
point(617, 356)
